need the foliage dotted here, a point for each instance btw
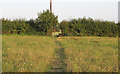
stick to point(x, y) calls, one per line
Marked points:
point(88, 27)
point(45, 22)
point(14, 27)
point(43, 25)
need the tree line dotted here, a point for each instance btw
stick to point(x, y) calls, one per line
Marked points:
point(89, 27)
point(43, 25)
point(45, 22)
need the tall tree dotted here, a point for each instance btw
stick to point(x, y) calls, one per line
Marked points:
point(45, 22)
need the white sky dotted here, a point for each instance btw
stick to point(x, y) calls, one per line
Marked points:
point(65, 9)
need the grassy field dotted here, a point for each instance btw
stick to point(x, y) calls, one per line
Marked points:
point(34, 53)
point(26, 53)
point(0, 53)
point(91, 54)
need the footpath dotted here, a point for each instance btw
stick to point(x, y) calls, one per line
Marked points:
point(57, 63)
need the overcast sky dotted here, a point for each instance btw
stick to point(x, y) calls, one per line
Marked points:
point(65, 9)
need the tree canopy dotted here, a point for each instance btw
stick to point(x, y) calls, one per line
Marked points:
point(88, 27)
point(46, 21)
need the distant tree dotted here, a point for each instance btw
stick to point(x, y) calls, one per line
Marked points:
point(17, 26)
point(45, 22)
point(64, 26)
point(32, 27)
point(89, 27)
point(118, 28)
point(0, 26)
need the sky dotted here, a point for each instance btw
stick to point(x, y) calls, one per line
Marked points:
point(119, 12)
point(106, 10)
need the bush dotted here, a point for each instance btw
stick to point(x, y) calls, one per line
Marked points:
point(17, 26)
point(88, 27)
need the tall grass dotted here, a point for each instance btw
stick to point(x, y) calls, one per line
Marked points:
point(91, 54)
point(27, 53)
point(83, 54)
point(0, 53)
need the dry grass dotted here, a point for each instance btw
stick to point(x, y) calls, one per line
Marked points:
point(84, 54)
point(27, 53)
point(91, 54)
point(0, 53)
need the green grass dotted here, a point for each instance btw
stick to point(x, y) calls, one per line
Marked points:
point(26, 53)
point(83, 54)
point(91, 54)
point(0, 53)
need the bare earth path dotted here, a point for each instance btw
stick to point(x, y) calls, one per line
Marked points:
point(57, 62)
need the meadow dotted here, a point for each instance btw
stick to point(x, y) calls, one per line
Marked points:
point(91, 54)
point(82, 54)
point(0, 53)
point(26, 53)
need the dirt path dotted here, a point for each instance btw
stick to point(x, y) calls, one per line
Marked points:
point(57, 62)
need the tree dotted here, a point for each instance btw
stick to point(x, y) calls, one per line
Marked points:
point(17, 26)
point(45, 22)
point(89, 27)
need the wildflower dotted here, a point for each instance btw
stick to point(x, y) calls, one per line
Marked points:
point(53, 60)
point(55, 56)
